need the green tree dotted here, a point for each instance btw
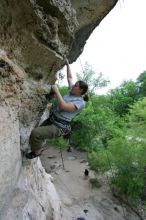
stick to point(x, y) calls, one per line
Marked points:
point(141, 81)
point(124, 96)
point(93, 79)
point(137, 120)
point(96, 123)
point(125, 155)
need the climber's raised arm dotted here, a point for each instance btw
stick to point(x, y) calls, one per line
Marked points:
point(69, 74)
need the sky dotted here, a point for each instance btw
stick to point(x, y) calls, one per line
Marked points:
point(117, 47)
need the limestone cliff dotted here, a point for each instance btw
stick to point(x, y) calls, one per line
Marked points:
point(34, 37)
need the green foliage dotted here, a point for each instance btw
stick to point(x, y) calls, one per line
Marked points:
point(98, 160)
point(107, 121)
point(125, 153)
point(83, 128)
point(128, 165)
point(63, 90)
point(124, 96)
point(92, 127)
point(59, 142)
point(137, 120)
point(141, 81)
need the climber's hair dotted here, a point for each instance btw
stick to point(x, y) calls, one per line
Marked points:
point(83, 85)
point(86, 97)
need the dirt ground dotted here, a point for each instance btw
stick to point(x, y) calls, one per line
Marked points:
point(69, 180)
point(81, 197)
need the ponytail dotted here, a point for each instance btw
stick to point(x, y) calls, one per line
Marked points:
point(86, 97)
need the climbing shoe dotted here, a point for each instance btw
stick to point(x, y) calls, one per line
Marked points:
point(31, 155)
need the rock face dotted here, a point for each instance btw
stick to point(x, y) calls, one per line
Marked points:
point(35, 35)
point(34, 196)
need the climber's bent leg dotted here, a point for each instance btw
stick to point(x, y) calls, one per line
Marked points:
point(37, 137)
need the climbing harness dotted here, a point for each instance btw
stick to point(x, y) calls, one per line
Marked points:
point(63, 125)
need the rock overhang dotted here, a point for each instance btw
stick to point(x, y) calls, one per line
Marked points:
point(37, 34)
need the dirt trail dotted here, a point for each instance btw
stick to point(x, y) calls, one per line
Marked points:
point(79, 197)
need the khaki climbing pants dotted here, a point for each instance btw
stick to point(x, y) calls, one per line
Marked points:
point(39, 134)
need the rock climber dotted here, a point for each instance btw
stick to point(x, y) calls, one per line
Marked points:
point(61, 114)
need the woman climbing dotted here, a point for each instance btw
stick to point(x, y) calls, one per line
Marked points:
point(61, 114)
